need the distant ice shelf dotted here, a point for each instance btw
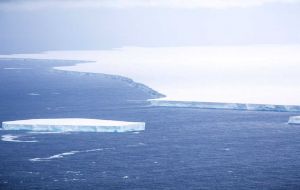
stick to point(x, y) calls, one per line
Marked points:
point(258, 77)
point(73, 125)
point(294, 120)
point(229, 106)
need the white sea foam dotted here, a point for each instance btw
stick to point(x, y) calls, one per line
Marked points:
point(15, 68)
point(14, 138)
point(73, 172)
point(62, 155)
point(265, 74)
point(33, 94)
point(136, 145)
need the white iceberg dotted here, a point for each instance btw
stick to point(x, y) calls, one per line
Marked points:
point(294, 120)
point(73, 125)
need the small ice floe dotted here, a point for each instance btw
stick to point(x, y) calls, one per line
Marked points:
point(294, 120)
point(125, 177)
point(62, 155)
point(14, 138)
point(33, 94)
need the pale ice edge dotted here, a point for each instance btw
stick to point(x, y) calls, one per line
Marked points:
point(73, 125)
point(227, 106)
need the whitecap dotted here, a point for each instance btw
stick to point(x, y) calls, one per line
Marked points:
point(15, 68)
point(62, 155)
point(136, 145)
point(33, 94)
point(14, 138)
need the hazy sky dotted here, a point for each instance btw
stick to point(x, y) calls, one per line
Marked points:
point(33, 25)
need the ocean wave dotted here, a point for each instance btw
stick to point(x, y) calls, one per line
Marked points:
point(64, 154)
point(14, 138)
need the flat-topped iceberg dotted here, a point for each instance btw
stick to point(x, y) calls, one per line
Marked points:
point(73, 125)
point(294, 120)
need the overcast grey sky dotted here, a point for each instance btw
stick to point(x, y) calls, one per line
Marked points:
point(27, 26)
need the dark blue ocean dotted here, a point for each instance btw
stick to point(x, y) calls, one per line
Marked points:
point(181, 148)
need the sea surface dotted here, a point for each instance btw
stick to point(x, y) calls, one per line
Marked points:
point(181, 148)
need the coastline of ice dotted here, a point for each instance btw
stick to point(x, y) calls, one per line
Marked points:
point(257, 77)
point(227, 106)
point(294, 120)
point(73, 125)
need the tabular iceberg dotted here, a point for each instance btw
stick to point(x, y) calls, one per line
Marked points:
point(294, 120)
point(73, 125)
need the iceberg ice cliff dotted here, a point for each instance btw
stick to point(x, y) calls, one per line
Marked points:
point(73, 125)
point(229, 106)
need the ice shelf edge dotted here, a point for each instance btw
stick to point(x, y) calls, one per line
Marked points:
point(227, 106)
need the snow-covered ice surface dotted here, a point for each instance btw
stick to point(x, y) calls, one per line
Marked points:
point(256, 76)
point(294, 120)
point(73, 125)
